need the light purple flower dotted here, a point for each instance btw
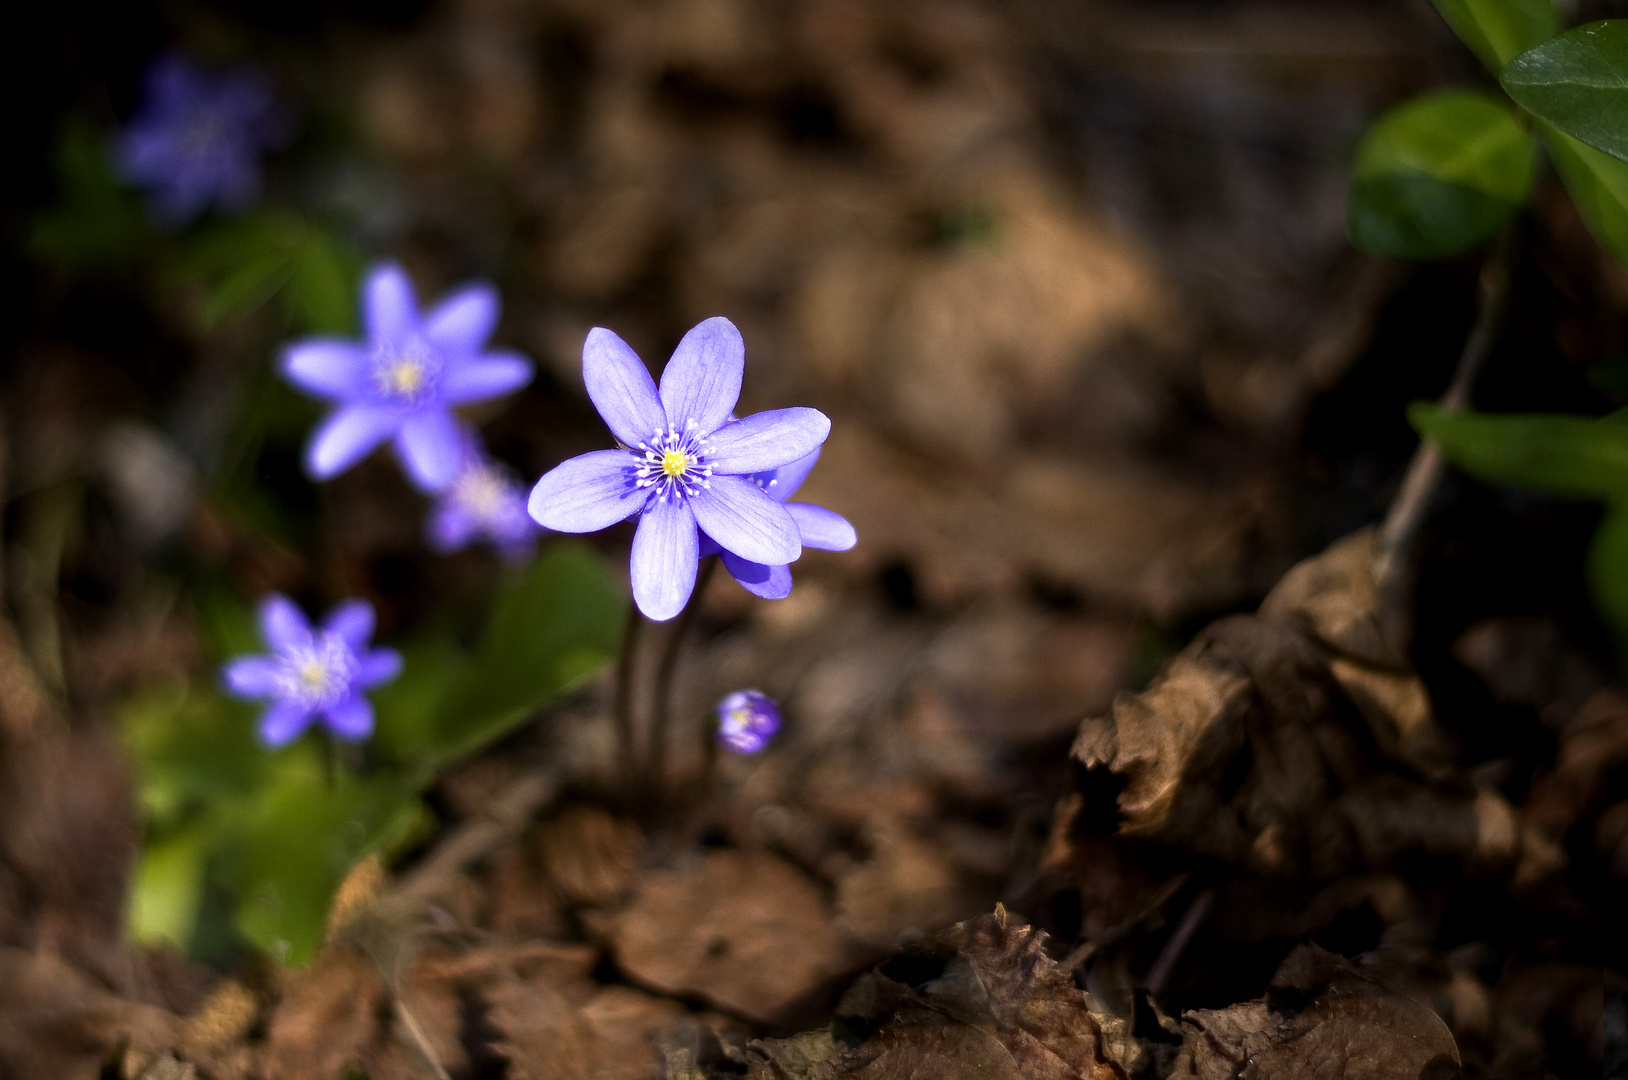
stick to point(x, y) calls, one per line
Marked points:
point(816, 526)
point(313, 673)
point(747, 720)
point(484, 502)
point(683, 465)
point(197, 138)
point(403, 382)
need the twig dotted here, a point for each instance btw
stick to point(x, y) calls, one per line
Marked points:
point(415, 1035)
point(662, 698)
point(1408, 508)
point(1159, 973)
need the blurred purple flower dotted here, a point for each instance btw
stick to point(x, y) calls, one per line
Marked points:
point(403, 382)
point(313, 673)
point(197, 138)
point(483, 502)
point(747, 720)
point(817, 527)
point(683, 465)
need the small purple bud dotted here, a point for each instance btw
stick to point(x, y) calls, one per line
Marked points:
point(747, 720)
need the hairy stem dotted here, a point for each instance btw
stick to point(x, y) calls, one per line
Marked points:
point(622, 706)
point(662, 695)
point(1407, 510)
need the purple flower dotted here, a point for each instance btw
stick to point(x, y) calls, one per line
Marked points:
point(683, 465)
point(403, 382)
point(197, 138)
point(747, 720)
point(311, 673)
point(484, 501)
point(816, 526)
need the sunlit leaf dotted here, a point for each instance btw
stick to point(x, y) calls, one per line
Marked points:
point(554, 623)
point(1578, 82)
point(1598, 184)
point(1498, 30)
point(1563, 455)
point(192, 747)
point(167, 887)
point(1438, 175)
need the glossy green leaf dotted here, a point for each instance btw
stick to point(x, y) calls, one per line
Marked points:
point(1499, 30)
point(1598, 184)
point(295, 841)
point(167, 887)
point(1608, 574)
point(1438, 175)
point(554, 623)
point(1563, 455)
point(1578, 82)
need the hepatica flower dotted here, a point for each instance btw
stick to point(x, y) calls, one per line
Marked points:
point(817, 527)
point(683, 465)
point(483, 502)
point(403, 381)
point(313, 674)
point(197, 139)
point(747, 720)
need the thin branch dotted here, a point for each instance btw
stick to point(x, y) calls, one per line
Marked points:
point(1159, 973)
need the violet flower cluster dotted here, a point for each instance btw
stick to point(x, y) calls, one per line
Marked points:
point(402, 383)
point(197, 138)
point(747, 720)
point(313, 674)
point(692, 474)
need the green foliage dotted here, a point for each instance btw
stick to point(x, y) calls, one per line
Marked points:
point(1598, 184)
point(1578, 83)
point(245, 263)
point(94, 222)
point(1562, 455)
point(1498, 30)
point(1439, 175)
point(277, 830)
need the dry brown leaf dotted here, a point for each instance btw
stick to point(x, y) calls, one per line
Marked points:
point(1322, 1019)
point(746, 932)
point(328, 1020)
point(58, 1023)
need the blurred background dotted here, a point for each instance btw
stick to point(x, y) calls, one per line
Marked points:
point(1072, 280)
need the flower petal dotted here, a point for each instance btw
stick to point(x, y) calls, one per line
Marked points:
point(702, 381)
point(378, 666)
point(462, 322)
point(450, 528)
point(708, 546)
point(587, 493)
point(621, 389)
point(488, 376)
point(328, 368)
point(769, 582)
point(736, 513)
point(252, 677)
point(348, 435)
point(663, 565)
point(350, 719)
point(389, 311)
point(431, 448)
point(782, 483)
point(822, 528)
point(352, 621)
point(767, 440)
point(283, 624)
point(283, 723)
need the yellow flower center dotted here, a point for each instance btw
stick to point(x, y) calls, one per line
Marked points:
point(405, 377)
point(675, 463)
point(313, 675)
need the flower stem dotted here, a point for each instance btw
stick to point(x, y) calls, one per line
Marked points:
point(662, 697)
point(622, 706)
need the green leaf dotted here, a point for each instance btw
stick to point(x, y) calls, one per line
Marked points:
point(1563, 455)
point(193, 747)
point(295, 841)
point(245, 263)
point(167, 887)
point(1498, 30)
point(1578, 82)
point(94, 221)
point(1438, 175)
point(555, 623)
point(1608, 574)
point(1598, 184)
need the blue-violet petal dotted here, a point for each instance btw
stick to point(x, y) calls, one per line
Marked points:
point(702, 382)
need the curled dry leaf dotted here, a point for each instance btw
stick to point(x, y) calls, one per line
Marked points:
point(1321, 1019)
point(996, 1005)
point(1296, 742)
